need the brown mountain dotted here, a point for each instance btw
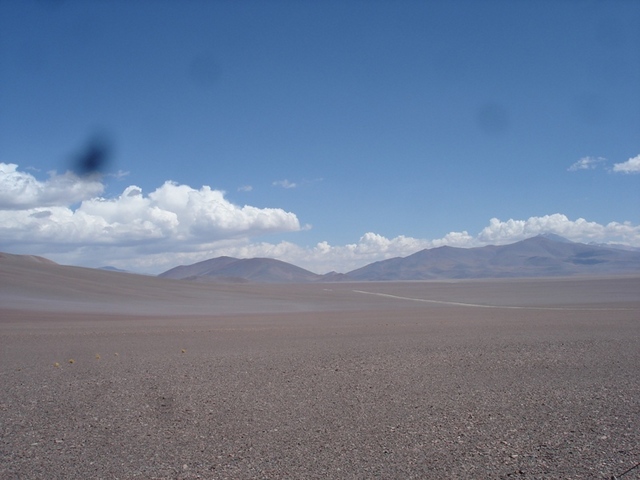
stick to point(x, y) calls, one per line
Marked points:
point(200, 269)
point(228, 269)
point(36, 284)
point(544, 255)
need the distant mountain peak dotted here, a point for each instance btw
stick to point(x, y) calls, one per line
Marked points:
point(547, 254)
point(12, 257)
point(554, 237)
point(229, 269)
point(110, 268)
point(543, 255)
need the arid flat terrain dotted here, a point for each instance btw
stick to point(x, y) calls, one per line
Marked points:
point(120, 376)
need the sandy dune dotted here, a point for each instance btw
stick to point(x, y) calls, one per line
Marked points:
point(178, 380)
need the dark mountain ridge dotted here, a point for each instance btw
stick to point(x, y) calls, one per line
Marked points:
point(543, 255)
point(235, 270)
point(204, 268)
point(536, 256)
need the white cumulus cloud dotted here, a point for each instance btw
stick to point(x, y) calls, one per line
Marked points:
point(579, 230)
point(65, 219)
point(167, 219)
point(371, 247)
point(630, 166)
point(19, 190)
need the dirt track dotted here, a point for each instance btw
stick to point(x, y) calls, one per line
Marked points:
point(339, 384)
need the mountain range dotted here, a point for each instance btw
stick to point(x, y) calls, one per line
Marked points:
point(234, 270)
point(541, 256)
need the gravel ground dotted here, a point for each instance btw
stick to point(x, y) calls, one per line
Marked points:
point(423, 391)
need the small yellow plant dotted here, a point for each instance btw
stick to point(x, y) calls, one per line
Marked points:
point(71, 360)
point(97, 356)
point(57, 365)
point(184, 351)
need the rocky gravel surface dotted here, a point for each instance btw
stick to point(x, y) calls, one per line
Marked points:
point(422, 392)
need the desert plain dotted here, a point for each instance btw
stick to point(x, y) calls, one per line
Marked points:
point(119, 376)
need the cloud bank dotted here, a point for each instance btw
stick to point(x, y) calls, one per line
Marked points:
point(630, 166)
point(64, 218)
point(371, 247)
point(21, 190)
point(171, 217)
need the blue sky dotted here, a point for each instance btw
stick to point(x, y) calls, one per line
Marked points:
point(327, 134)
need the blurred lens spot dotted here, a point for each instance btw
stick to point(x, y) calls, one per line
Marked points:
point(94, 158)
point(492, 119)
